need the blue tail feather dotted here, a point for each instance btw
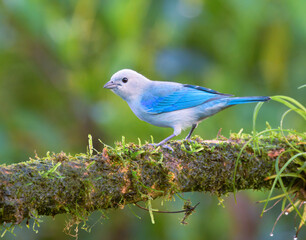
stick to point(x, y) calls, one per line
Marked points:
point(240, 100)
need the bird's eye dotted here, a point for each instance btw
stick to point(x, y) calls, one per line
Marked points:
point(124, 80)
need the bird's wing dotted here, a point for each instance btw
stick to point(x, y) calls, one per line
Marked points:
point(168, 97)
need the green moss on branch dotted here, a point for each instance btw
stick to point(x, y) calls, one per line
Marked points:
point(129, 173)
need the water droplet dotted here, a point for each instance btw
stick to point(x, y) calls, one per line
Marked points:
point(295, 238)
point(271, 234)
point(286, 213)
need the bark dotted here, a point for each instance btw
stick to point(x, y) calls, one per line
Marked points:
point(127, 174)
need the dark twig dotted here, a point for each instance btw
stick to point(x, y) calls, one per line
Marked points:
point(180, 211)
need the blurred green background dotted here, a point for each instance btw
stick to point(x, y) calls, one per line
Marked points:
point(55, 57)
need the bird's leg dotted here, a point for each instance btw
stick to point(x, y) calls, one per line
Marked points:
point(191, 131)
point(166, 140)
point(177, 131)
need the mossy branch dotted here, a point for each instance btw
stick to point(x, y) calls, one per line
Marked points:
point(129, 173)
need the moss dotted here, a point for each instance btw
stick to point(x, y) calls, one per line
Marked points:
point(128, 173)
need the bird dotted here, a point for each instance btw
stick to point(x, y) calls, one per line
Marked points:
point(171, 104)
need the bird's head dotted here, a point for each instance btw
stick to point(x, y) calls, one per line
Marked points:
point(127, 83)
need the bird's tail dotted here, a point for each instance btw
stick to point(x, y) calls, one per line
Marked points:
point(240, 100)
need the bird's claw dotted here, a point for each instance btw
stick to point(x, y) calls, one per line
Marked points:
point(163, 146)
point(167, 147)
point(189, 140)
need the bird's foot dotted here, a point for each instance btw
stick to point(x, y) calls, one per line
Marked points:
point(189, 140)
point(166, 146)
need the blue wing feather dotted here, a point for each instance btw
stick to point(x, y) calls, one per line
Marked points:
point(169, 97)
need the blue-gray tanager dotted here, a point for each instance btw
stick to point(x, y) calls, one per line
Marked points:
point(171, 104)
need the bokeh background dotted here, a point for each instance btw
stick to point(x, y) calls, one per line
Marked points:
point(55, 57)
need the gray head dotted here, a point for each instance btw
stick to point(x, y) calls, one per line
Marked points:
point(126, 83)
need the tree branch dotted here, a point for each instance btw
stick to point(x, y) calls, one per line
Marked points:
point(128, 174)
